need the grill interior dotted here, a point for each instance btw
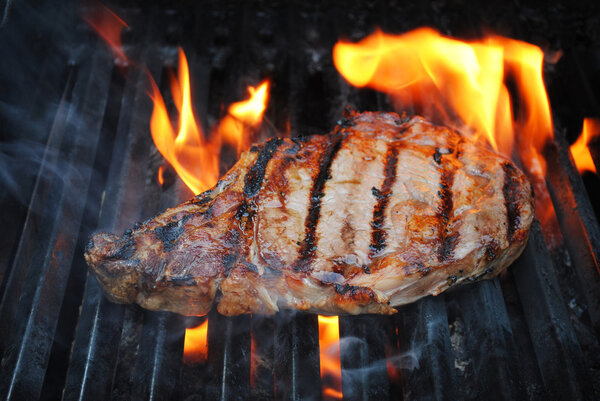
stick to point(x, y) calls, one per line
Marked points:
point(78, 156)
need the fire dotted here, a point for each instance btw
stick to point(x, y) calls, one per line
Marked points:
point(463, 85)
point(580, 151)
point(450, 78)
point(195, 347)
point(161, 175)
point(329, 352)
point(109, 26)
point(194, 157)
point(244, 117)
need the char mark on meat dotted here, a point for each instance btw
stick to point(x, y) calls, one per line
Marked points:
point(511, 192)
point(378, 232)
point(447, 243)
point(309, 244)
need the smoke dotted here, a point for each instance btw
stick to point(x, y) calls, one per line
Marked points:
point(34, 39)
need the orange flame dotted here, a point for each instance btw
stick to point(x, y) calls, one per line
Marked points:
point(195, 346)
point(244, 117)
point(455, 82)
point(580, 151)
point(329, 352)
point(160, 176)
point(449, 78)
point(109, 26)
point(194, 157)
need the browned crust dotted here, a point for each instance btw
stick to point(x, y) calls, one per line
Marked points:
point(219, 245)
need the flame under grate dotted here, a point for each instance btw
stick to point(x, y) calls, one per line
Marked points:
point(532, 334)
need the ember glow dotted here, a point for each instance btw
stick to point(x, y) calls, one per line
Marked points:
point(462, 85)
point(194, 156)
point(580, 150)
point(109, 26)
point(195, 347)
point(329, 353)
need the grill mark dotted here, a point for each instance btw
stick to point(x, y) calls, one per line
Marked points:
point(511, 198)
point(308, 246)
point(447, 243)
point(378, 233)
point(247, 209)
point(254, 179)
point(256, 174)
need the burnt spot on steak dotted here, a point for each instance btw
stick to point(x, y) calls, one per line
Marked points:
point(170, 233)
point(446, 250)
point(437, 156)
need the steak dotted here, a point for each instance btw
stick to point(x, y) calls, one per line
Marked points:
point(379, 213)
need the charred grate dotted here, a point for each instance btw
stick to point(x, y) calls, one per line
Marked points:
point(532, 334)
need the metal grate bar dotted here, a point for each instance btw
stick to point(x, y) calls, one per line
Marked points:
point(99, 328)
point(228, 357)
point(559, 355)
point(297, 369)
point(40, 210)
point(577, 223)
point(426, 357)
point(159, 357)
point(528, 366)
point(362, 352)
point(263, 339)
point(493, 363)
point(41, 297)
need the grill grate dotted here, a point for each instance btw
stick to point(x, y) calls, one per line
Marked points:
point(532, 334)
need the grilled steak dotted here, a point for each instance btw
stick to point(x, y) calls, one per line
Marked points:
point(379, 213)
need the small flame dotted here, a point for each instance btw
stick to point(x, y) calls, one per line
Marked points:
point(580, 151)
point(160, 176)
point(329, 353)
point(109, 26)
point(194, 157)
point(195, 346)
point(244, 118)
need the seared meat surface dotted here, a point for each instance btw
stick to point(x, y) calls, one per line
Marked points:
point(378, 213)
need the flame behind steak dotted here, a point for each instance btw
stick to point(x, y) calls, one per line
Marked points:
point(379, 213)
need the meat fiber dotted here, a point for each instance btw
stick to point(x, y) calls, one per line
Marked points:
point(379, 213)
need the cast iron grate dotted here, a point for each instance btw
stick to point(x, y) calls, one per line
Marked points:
point(532, 334)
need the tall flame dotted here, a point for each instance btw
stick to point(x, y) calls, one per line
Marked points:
point(329, 353)
point(195, 157)
point(195, 346)
point(451, 78)
point(109, 26)
point(580, 151)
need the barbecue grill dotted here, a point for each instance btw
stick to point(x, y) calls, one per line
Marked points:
point(79, 157)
